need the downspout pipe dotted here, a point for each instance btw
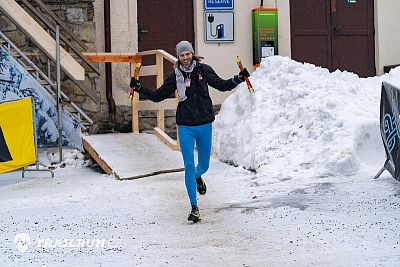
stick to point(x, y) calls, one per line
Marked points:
point(108, 68)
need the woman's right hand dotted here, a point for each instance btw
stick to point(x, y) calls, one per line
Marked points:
point(135, 84)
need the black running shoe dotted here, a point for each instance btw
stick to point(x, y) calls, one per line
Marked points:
point(194, 215)
point(201, 186)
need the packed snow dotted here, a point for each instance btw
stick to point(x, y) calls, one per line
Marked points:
point(307, 145)
point(71, 158)
point(302, 119)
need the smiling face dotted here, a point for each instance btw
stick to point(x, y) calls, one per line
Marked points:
point(186, 58)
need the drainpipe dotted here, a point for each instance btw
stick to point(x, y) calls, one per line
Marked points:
point(107, 40)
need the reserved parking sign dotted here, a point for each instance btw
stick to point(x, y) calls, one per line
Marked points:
point(218, 4)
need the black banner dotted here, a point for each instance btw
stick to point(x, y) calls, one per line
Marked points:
point(390, 119)
point(4, 152)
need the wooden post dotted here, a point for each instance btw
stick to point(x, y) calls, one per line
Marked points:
point(135, 113)
point(177, 134)
point(160, 80)
point(135, 104)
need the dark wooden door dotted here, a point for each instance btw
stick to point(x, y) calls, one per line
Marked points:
point(353, 45)
point(161, 25)
point(310, 35)
point(334, 34)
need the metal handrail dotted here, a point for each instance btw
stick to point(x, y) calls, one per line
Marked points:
point(43, 76)
point(41, 73)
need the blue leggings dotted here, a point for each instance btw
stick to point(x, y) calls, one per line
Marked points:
point(200, 135)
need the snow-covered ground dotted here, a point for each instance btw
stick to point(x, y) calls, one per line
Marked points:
point(313, 138)
point(248, 220)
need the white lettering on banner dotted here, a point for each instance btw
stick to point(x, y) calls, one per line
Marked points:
point(23, 241)
point(77, 243)
point(100, 243)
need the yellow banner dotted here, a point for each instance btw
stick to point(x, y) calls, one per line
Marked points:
point(17, 141)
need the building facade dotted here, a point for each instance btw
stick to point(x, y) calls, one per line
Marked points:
point(331, 33)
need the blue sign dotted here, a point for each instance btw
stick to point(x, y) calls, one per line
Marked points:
point(218, 4)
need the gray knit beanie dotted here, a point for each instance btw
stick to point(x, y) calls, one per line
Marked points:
point(184, 46)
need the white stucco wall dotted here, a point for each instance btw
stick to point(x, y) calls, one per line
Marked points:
point(222, 57)
point(123, 39)
point(98, 19)
point(387, 33)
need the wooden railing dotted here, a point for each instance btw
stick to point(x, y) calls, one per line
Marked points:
point(160, 107)
point(137, 104)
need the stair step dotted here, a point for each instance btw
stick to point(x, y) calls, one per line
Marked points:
point(70, 109)
point(92, 75)
point(30, 68)
point(43, 82)
point(15, 55)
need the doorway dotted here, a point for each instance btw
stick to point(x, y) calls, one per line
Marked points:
point(161, 25)
point(335, 34)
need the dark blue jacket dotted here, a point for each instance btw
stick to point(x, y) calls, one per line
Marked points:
point(197, 109)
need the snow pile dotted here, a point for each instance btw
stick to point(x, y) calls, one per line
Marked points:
point(72, 158)
point(302, 119)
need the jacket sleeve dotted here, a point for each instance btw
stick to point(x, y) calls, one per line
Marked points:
point(166, 90)
point(218, 83)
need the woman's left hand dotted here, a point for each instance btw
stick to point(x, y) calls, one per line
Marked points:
point(241, 77)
